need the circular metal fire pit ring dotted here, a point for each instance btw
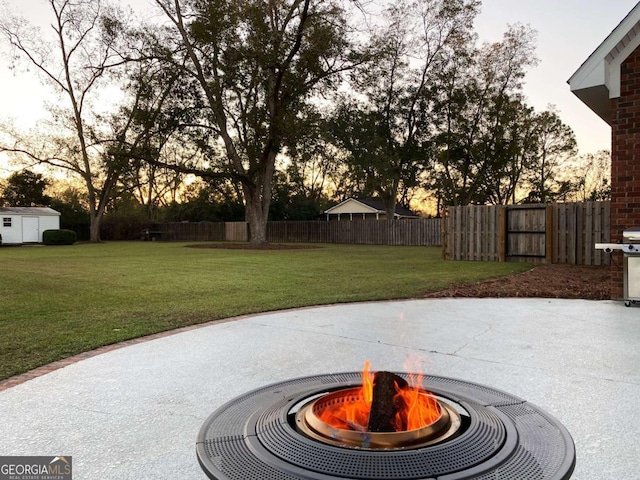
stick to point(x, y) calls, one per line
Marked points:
point(446, 425)
point(252, 437)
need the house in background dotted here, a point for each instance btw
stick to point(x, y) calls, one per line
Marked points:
point(365, 209)
point(26, 224)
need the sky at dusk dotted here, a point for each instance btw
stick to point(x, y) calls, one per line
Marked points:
point(568, 32)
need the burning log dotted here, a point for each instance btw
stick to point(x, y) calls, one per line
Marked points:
point(384, 407)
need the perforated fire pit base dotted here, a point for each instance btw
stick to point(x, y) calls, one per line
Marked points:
point(502, 437)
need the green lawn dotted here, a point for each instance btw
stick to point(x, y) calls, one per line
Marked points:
point(59, 301)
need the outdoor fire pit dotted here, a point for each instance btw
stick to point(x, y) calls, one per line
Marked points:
point(349, 426)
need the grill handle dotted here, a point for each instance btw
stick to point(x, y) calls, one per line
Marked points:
point(625, 247)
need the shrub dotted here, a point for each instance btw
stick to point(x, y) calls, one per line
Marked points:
point(59, 237)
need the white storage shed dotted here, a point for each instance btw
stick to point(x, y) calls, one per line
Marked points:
point(26, 224)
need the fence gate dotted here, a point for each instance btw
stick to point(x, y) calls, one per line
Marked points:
point(552, 233)
point(526, 233)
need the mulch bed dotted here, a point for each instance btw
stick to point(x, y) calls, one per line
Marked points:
point(544, 281)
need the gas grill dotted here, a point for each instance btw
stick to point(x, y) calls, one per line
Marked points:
point(630, 247)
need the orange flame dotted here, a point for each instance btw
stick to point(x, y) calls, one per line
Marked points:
point(416, 408)
point(419, 410)
point(353, 414)
point(367, 383)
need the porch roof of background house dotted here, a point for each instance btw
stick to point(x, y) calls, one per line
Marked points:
point(366, 205)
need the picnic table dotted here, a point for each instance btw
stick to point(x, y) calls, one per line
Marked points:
point(152, 235)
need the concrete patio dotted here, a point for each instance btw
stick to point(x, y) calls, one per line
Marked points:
point(134, 413)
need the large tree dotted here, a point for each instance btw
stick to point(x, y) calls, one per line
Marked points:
point(74, 62)
point(386, 126)
point(591, 175)
point(111, 109)
point(142, 136)
point(25, 189)
point(256, 65)
point(511, 146)
point(482, 131)
point(555, 144)
point(312, 164)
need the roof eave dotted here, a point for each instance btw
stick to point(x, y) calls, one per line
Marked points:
point(597, 99)
point(597, 80)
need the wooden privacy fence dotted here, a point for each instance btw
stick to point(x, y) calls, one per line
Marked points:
point(418, 232)
point(576, 228)
point(191, 232)
point(555, 233)
point(236, 232)
point(472, 233)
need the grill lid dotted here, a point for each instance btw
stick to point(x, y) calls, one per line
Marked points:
point(631, 236)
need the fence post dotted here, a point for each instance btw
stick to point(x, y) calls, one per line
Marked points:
point(444, 233)
point(549, 226)
point(502, 233)
point(580, 208)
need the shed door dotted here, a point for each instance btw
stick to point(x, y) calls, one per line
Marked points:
point(30, 229)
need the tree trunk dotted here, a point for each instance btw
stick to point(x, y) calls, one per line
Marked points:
point(256, 216)
point(257, 196)
point(390, 211)
point(94, 228)
point(389, 202)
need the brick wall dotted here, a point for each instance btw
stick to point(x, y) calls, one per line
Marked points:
point(625, 162)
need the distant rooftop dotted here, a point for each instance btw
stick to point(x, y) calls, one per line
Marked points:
point(378, 205)
point(29, 211)
point(368, 205)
